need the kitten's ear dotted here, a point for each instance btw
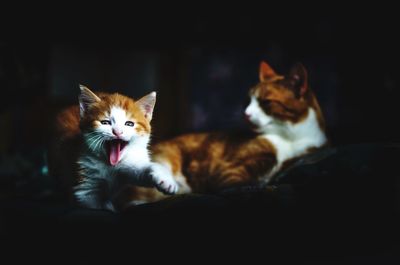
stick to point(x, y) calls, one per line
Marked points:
point(298, 78)
point(146, 104)
point(86, 99)
point(266, 71)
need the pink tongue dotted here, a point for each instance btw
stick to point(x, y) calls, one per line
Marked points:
point(115, 147)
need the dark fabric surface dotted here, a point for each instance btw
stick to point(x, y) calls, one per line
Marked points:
point(340, 202)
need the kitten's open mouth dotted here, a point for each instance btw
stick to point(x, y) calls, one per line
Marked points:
point(114, 149)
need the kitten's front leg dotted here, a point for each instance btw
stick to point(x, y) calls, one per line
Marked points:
point(154, 175)
point(163, 179)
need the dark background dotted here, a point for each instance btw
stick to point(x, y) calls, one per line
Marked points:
point(201, 63)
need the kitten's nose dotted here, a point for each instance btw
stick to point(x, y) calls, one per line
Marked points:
point(117, 132)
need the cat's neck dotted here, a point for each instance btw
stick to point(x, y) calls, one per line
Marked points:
point(297, 139)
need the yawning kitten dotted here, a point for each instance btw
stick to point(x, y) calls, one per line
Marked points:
point(287, 123)
point(101, 146)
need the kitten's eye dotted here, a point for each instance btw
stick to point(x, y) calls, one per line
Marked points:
point(105, 122)
point(129, 123)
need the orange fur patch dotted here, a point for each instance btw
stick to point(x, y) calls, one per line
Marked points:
point(213, 161)
point(280, 101)
point(100, 110)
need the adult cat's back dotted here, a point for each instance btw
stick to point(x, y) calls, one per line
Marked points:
point(211, 161)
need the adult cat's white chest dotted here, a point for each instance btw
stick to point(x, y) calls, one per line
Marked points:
point(293, 140)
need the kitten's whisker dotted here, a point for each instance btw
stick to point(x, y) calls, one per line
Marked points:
point(90, 143)
point(90, 138)
point(91, 133)
point(99, 142)
point(102, 141)
point(93, 141)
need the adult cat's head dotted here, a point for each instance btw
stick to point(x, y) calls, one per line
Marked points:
point(112, 122)
point(280, 102)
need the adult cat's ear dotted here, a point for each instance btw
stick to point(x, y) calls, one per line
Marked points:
point(86, 99)
point(266, 71)
point(146, 104)
point(298, 79)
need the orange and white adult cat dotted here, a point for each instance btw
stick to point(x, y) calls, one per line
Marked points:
point(287, 123)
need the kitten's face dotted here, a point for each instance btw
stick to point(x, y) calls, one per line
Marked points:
point(111, 122)
point(278, 101)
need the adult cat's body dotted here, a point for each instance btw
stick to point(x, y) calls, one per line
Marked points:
point(287, 123)
point(100, 147)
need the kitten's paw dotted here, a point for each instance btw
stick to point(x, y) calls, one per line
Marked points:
point(163, 180)
point(167, 186)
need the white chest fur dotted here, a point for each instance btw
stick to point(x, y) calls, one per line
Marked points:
point(292, 140)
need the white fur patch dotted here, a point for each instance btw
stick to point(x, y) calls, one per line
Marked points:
point(162, 177)
point(118, 117)
point(292, 140)
point(256, 114)
point(289, 139)
point(179, 179)
point(136, 153)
